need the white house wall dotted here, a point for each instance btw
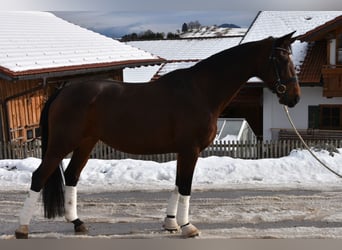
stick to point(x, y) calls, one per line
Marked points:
point(274, 117)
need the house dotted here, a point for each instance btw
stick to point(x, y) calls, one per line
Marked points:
point(40, 52)
point(317, 57)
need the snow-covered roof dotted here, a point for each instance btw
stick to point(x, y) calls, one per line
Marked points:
point(181, 53)
point(140, 74)
point(32, 42)
point(186, 49)
point(279, 23)
point(214, 31)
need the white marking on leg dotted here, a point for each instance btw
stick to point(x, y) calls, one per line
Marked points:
point(183, 210)
point(188, 230)
point(170, 222)
point(29, 207)
point(70, 204)
point(173, 203)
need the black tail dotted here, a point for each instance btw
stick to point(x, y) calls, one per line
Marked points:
point(53, 190)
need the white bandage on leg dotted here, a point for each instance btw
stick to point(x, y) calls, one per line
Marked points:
point(29, 207)
point(173, 203)
point(70, 204)
point(183, 210)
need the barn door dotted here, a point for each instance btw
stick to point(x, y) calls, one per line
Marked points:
point(23, 115)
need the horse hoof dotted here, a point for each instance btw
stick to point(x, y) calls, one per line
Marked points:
point(22, 232)
point(190, 231)
point(81, 229)
point(170, 224)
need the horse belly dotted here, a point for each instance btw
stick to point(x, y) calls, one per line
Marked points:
point(138, 137)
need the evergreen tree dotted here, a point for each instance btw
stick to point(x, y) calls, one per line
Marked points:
point(184, 28)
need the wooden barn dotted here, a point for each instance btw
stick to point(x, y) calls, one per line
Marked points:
point(40, 52)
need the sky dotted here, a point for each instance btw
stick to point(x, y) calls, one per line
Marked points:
point(118, 23)
point(120, 17)
point(176, 5)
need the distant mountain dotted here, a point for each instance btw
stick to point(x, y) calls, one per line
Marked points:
point(229, 25)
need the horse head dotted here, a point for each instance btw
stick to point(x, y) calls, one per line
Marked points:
point(279, 73)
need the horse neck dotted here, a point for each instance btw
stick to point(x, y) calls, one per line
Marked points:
point(223, 75)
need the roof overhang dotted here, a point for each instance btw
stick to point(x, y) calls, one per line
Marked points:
point(74, 70)
point(321, 32)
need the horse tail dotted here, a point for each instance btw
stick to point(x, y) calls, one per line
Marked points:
point(53, 190)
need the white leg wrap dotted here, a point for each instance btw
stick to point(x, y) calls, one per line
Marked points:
point(29, 207)
point(183, 210)
point(70, 195)
point(173, 203)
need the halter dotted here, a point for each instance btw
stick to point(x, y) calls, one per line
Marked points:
point(280, 85)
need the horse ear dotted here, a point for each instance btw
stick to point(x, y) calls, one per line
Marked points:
point(286, 39)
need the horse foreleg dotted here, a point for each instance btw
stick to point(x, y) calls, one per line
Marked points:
point(179, 203)
point(170, 222)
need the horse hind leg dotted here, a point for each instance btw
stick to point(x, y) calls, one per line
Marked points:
point(39, 177)
point(79, 159)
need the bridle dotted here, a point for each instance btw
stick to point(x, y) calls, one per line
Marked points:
point(280, 84)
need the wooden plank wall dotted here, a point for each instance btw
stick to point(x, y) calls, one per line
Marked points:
point(24, 114)
point(21, 106)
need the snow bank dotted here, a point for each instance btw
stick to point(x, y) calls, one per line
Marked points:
point(296, 170)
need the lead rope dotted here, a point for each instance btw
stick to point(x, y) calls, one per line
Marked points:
point(305, 145)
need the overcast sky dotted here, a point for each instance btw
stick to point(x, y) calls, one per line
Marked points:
point(125, 22)
point(126, 16)
point(148, 5)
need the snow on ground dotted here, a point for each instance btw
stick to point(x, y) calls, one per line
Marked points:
point(296, 170)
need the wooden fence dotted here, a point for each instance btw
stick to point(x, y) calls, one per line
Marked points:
point(235, 149)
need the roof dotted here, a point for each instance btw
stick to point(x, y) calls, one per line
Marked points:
point(312, 66)
point(316, 34)
point(279, 23)
point(180, 53)
point(40, 42)
point(187, 49)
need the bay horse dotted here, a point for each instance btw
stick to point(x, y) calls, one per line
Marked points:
point(176, 113)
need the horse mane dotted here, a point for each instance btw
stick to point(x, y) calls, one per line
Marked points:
point(235, 51)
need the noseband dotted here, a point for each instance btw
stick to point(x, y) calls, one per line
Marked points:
point(280, 84)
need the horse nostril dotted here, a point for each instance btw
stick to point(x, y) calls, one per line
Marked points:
point(293, 102)
point(297, 98)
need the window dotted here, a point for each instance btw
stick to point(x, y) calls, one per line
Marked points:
point(313, 117)
point(330, 117)
point(325, 117)
point(29, 134)
point(339, 49)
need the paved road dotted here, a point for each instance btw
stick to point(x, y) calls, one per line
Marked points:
point(218, 214)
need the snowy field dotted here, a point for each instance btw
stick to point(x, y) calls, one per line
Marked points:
point(299, 169)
